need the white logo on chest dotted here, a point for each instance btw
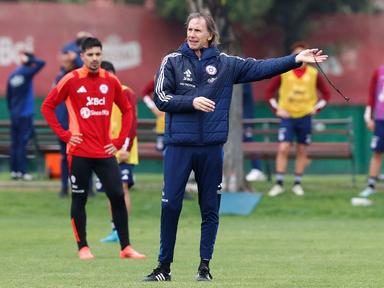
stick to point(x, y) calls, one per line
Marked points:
point(85, 112)
point(81, 90)
point(95, 101)
point(187, 75)
point(103, 88)
point(211, 70)
point(17, 80)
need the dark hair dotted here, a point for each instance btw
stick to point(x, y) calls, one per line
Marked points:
point(299, 44)
point(90, 42)
point(108, 66)
point(211, 26)
point(30, 57)
point(79, 41)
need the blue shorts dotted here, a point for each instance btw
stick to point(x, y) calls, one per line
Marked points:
point(377, 142)
point(299, 127)
point(126, 171)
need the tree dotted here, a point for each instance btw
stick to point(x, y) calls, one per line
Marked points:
point(292, 17)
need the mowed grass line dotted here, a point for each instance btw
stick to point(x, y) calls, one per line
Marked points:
point(319, 240)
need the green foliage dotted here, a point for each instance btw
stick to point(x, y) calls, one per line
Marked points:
point(135, 2)
point(172, 10)
point(292, 16)
point(248, 12)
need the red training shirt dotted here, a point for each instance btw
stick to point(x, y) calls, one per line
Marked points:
point(89, 98)
point(148, 89)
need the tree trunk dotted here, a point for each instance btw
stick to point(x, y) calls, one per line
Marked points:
point(233, 161)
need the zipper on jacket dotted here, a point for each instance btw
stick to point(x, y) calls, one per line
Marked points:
point(200, 113)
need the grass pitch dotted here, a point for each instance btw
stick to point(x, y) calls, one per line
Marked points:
point(318, 240)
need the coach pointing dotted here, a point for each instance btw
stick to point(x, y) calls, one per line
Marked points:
point(194, 87)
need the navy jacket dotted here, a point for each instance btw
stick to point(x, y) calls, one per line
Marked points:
point(61, 110)
point(20, 98)
point(182, 77)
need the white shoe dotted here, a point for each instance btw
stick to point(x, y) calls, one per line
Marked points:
point(355, 201)
point(255, 175)
point(298, 190)
point(191, 187)
point(27, 177)
point(367, 192)
point(276, 190)
point(14, 175)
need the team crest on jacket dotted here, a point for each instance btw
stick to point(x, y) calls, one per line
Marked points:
point(103, 88)
point(211, 70)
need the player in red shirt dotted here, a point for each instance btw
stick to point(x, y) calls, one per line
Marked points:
point(89, 93)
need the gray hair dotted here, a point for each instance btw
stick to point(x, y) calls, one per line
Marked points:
point(211, 26)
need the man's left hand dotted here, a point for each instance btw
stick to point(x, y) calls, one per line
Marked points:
point(123, 155)
point(309, 56)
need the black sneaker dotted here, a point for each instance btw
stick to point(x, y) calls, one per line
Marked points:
point(158, 274)
point(203, 274)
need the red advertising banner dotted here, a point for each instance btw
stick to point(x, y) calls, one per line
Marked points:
point(135, 40)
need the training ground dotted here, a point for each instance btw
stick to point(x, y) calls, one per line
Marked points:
point(318, 240)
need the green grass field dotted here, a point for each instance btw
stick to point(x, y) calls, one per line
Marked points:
point(319, 240)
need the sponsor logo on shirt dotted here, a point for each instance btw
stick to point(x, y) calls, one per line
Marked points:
point(85, 112)
point(95, 101)
point(211, 80)
point(188, 84)
point(81, 90)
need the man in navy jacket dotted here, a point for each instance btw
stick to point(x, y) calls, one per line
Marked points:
point(20, 102)
point(194, 87)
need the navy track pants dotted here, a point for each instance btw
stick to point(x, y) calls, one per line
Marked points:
point(207, 164)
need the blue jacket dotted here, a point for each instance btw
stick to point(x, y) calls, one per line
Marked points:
point(182, 77)
point(61, 110)
point(20, 98)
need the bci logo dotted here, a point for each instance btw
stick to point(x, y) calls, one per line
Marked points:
point(9, 49)
point(95, 101)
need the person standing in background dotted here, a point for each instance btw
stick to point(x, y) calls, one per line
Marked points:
point(69, 60)
point(297, 103)
point(20, 103)
point(374, 119)
point(255, 174)
point(67, 65)
point(127, 156)
point(160, 115)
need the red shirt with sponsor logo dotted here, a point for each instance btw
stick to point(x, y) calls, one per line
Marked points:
point(89, 98)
